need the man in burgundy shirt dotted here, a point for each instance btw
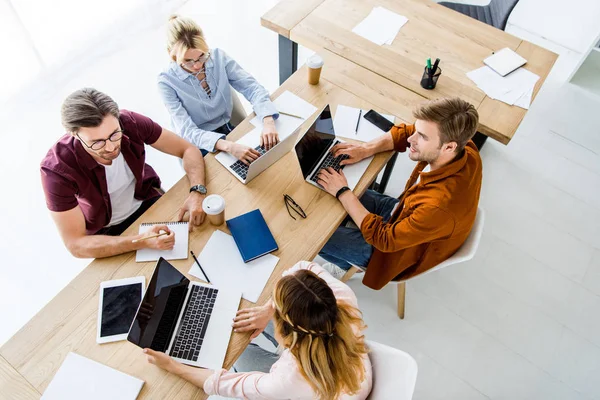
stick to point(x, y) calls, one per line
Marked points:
point(96, 180)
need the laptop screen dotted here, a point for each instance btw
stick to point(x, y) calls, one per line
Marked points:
point(315, 142)
point(155, 320)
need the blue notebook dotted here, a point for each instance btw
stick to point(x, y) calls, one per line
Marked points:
point(252, 235)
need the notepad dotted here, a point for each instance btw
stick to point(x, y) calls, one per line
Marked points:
point(344, 124)
point(504, 61)
point(81, 378)
point(252, 235)
point(179, 251)
point(225, 268)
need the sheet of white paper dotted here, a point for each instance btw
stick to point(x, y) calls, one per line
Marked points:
point(290, 103)
point(525, 100)
point(179, 251)
point(344, 124)
point(224, 266)
point(510, 89)
point(381, 26)
point(81, 378)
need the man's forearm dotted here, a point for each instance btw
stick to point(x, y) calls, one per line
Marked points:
point(354, 207)
point(193, 164)
point(382, 143)
point(99, 246)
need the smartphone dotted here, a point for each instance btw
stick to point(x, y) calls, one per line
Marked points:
point(378, 120)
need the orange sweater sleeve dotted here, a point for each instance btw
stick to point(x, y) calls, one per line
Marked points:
point(400, 134)
point(424, 225)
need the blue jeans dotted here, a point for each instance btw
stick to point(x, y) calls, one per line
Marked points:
point(347, 247)
point(255, 358)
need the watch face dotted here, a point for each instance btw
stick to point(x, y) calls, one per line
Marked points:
point(199, 188)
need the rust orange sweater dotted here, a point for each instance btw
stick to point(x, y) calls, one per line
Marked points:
point(433, 219)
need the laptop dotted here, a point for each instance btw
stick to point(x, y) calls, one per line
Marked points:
point(190, 321)
point(313, 151)
point(245, 173)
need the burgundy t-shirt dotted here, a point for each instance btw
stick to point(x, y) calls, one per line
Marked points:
point(71, 177)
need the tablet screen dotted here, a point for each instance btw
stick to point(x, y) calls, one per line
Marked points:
point(119, 305)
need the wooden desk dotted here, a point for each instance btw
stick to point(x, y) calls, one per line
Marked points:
point(68, 322)
point(432, 31)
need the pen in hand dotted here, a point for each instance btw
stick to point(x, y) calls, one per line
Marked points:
point(162, 233)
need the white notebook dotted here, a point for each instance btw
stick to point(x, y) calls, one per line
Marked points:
point(224, 266)
point(504, 61)
point(81, 378)
point(179, 251)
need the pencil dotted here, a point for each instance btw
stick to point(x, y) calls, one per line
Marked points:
point(290, 115)
point(149, 237)
point(197, 262)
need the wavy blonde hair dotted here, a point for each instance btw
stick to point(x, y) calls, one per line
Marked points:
point(319, 333)
point(184, 34)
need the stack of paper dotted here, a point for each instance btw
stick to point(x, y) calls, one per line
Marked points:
point(515, 89)
point(223, 264)
point(344, 124)
point(381, 26)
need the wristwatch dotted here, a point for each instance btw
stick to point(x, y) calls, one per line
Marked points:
point(342, 190)
point(198, 188)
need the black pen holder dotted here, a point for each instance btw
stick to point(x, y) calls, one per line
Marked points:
point(429, 81)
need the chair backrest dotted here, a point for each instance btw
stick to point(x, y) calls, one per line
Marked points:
point(394, 372)
point(469, 247)
point(238, 114)
point(496, 13)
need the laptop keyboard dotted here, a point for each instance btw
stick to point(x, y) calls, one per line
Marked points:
point(242, 169)
point(330, 162)
point(192, 329)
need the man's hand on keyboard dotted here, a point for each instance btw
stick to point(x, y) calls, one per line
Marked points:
point(331, 180)
point(243, 153)
point(355, 152)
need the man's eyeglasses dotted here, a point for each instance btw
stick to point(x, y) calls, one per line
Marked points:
point(291, 204)
point(200, 59)
point(99, 144)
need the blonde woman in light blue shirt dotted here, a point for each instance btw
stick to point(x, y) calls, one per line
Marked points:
point(196, 89)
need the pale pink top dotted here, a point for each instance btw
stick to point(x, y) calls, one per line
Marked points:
point(284, 380)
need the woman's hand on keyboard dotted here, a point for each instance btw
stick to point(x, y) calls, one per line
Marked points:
point(269, 137)
point(243, 153)
point(254, 319)
point(355, 152)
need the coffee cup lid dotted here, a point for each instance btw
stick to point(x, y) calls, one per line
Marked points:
point(315, 61)
point(213, 204)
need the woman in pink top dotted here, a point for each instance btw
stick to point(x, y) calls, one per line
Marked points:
point(319, 327)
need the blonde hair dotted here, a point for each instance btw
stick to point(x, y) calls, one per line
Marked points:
point(319, 332)
point(457, 119)
point(184, 34)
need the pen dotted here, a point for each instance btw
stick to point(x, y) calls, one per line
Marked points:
point(435, 66)
point(290, 115)
point(429, 65)
point(203, 273)
point(357, 122)
point(149, 237)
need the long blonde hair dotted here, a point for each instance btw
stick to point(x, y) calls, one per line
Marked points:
point(319, 332)
point(184, 34)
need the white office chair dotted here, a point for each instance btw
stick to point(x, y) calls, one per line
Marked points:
point(394, 372)
point(464, 253)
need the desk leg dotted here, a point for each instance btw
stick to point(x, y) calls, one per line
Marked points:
point(387, 173)
point(479, 140)
point(288, 58)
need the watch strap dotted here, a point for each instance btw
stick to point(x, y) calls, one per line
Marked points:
point(342, 190)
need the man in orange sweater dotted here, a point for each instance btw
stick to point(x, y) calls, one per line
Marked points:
point(401, 238)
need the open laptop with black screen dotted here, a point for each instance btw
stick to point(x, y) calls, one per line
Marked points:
point(190, 321)
point(313, 151)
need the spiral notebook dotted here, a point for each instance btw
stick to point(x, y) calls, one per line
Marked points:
point(179, 251)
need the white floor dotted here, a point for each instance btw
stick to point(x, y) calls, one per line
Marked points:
point(520, 321)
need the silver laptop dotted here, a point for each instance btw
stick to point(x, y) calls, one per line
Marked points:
point(245, 173)
point(190, 321)
point(314, 152)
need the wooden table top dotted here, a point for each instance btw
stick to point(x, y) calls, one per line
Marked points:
point(432, 31)
point(31, 357)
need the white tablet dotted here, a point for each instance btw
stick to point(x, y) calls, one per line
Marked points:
point(119, 301)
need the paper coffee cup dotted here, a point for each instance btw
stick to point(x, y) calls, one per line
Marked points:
point(314, 64)
point(214, 207)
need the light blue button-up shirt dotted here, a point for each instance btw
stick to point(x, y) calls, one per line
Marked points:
point(194, 114)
